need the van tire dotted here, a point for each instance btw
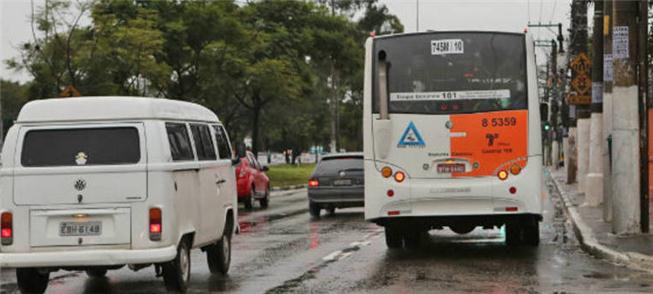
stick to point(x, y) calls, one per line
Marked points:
point(462, 229)
point(176, 273)
point(314, 209)
point(218, 255)
point(96, 272)
point(30, 280)
point(393, 237)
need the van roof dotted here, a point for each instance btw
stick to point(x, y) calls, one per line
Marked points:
point(112, 108)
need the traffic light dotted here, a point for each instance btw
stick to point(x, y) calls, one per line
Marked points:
point(546, 126)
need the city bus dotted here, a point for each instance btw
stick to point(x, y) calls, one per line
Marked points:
point(452, 135)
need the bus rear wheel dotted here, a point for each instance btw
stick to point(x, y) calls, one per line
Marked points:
point(393, 237)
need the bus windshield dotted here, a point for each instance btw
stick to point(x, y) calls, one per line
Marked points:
point(449, 73)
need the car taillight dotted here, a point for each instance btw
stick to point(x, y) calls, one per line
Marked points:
point(7, 228)
point(313, 183)
point(155, 224)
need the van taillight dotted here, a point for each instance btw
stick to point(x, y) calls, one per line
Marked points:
point(7, 228)
point(155, 224)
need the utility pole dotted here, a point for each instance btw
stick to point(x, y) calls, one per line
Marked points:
point(594, 181)
point(642, 35)
point(577, 148)
point(333, 148)
point(608, 74)
point(625, 119)
point(416, 15)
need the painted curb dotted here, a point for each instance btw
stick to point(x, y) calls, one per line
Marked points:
point(589, 244)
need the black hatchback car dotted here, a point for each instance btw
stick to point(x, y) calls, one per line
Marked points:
point(336, 182)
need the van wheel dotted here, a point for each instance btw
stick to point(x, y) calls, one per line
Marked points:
point(96, 272)
point(265, 201)
point(314, 209)
point(31, 280)
point(393, 237)
point(513, 234)
point(218, 255)
point(176, 273)
point(331, 210)
point(412, 238)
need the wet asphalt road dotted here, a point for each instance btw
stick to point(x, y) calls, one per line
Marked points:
point(283, 250)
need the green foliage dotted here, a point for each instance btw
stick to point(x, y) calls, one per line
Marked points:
point(270, 69)
point(284, 175)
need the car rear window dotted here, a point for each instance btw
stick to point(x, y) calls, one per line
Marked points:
point(332, 165)
point(88, 146)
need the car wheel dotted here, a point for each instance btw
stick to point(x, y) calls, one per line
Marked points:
point(176, 273)
point(96, 272)
point(314, 209)
point(265, 201)
point(513, 234)
point(31, 280)
point(218, 255)
point(532, 234)
point(331, 210)
point(393, 237)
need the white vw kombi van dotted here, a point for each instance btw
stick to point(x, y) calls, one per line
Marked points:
point(96, 183)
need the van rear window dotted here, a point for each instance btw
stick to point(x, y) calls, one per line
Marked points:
point(89, 146)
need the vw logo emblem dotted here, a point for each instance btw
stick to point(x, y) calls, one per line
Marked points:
point(448, 124)
point(80, 184)
point(342, 173)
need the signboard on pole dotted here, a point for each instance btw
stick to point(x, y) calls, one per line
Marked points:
point(581, 83)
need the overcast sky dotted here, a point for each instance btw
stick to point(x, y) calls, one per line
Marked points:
point(501, 15)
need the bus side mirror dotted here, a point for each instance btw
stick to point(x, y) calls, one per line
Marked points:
point(544, 111)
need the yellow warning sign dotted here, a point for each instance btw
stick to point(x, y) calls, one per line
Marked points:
point(70, 91)
point(581, 84)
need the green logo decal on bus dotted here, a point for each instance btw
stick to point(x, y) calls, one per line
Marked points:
point(411, 137)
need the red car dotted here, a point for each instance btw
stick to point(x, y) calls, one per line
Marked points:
point(253, 183)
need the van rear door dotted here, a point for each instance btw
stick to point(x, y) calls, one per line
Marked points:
point(80, 164)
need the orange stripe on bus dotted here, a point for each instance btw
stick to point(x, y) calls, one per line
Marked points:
point(493, 140)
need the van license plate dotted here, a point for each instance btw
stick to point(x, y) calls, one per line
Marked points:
point(448, 168)
point(80, 229)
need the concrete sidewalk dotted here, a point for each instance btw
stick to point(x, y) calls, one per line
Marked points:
point(595, 235)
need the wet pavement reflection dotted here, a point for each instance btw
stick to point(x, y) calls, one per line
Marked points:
point(283, 250)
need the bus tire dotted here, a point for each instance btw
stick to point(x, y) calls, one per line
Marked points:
point(462, 229)
point(532, 234)
point(412, 239)
point(393, 237)
point(96, 272)
point(314, 209)
point(31, 280)
point(513, 234)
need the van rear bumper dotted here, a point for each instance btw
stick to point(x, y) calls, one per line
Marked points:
point(95, 257)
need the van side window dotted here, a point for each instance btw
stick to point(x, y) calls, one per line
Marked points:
point(223, 142)
point(180, 148)
point(203, 142)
